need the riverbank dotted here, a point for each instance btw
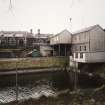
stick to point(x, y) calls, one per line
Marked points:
point(81, 97)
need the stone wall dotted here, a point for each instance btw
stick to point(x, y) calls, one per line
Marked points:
point(30, 63)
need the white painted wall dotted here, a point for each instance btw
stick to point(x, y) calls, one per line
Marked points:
point(45, 50)
point(90, 57)
point(79, 59)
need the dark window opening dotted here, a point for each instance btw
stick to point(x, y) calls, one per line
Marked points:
point(81, 55)
point(85, 48)
point(21, 42)
point(80, 48)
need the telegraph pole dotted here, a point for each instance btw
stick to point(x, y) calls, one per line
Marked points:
point(75, 79)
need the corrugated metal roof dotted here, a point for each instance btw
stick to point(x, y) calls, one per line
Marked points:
point(86, 29)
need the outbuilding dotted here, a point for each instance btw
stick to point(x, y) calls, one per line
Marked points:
point(61, 43)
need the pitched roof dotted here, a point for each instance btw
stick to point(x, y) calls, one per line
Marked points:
point(16, 34)
point(62, 32)
point(86, 29)
point(43, 35)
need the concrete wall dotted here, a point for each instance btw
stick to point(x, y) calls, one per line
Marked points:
point(28, 63)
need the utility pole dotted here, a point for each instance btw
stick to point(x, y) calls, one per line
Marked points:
point(75, 79)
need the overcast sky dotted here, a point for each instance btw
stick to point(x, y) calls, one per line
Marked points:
point(51, 16)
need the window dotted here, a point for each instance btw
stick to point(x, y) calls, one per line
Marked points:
point(3, 42)
point(12, 41)
point(81, 55)
point(80, 48)
point(76, 55)
point(85, 48)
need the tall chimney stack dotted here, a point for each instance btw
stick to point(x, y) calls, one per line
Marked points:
point(38, 31)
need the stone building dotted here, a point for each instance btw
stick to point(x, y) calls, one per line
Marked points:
point(15, 39)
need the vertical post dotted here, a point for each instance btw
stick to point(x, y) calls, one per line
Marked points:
point(75, 75)
point(16, 83)
point(89, 41)
point(65, 50)
point(53, 51)
point(59, 49)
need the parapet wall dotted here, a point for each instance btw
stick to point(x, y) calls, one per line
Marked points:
point(33, 63)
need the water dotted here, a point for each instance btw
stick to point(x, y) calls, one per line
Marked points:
point(30, 86)
point(8, 94)
point(47, 89)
